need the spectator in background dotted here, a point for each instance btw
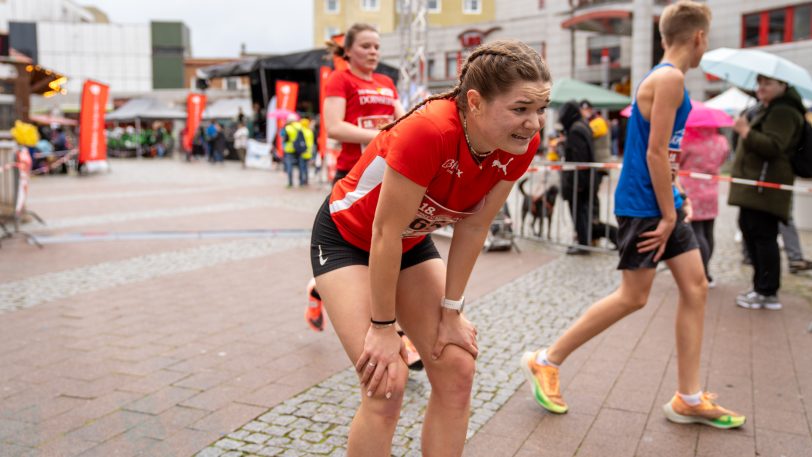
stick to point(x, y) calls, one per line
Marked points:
point(218, 144)
point(241, 141)
point(575, 188)
point(211, 134)
point(294, 145)
point(304, 159)
point(704, 150)
point(763, 152)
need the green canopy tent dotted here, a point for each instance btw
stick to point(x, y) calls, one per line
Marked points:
point(567, 89)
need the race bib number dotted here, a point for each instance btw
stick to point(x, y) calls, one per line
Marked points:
point(673, 160)
point(376, 122)
point(432, 216)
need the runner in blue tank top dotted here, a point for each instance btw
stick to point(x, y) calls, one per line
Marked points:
point(652, 227)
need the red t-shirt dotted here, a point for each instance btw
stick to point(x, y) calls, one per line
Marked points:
point(370, 105)
point(429, 148)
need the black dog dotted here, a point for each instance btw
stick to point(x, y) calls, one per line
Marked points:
point(539, 207)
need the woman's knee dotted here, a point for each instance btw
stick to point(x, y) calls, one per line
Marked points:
point(452, 376)
point(387, 409)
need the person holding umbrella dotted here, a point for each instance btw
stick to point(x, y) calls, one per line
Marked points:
point(765, 147)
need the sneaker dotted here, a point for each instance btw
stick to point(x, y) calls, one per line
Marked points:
point(314, 314)
point(413, 360)
point(544, 380)
point(706, 412)
point(796, 266)
point(754, 300)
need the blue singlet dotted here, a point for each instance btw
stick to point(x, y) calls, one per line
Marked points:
point(634, 196)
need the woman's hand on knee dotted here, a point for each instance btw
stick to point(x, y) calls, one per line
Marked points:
point(383, 351)
point(455, 329)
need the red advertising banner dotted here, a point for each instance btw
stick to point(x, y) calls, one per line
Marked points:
point(324, 73)
point(92, 142)
point(195, 105)
point(287, 93)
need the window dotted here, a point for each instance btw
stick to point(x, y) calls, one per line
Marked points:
point(331, 6)
point(370, 5)
point(597, 45)
point(750, 26)
point(330, 32)
point(452, 60)
point(781, 25)
point(541, 4)
point(431, 68)
point(472, 6)
point(801, 23)
point(775, 30)
point(434, 6)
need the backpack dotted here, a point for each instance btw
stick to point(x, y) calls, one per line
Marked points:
point(802, 159)
point(299, 143)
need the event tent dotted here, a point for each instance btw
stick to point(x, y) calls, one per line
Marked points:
point(228, 108)
point(300, 67)
point(145, 109)
point(566, 89)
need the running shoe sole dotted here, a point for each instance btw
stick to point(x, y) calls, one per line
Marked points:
point(727, 423)
point(538, 394)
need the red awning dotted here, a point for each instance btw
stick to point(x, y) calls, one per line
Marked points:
point(614, 22)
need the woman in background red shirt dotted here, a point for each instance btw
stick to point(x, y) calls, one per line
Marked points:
point(358, 101)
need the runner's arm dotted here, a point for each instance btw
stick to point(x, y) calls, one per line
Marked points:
point(469, 237)
point(340, 130)
point(397, 205)
point(667, 97)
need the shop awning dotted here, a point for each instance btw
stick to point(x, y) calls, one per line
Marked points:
point(146, 109)
point(612, 22)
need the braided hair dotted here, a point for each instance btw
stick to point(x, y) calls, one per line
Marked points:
point(491, 69)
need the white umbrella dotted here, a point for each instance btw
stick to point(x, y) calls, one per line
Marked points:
point(732, 101)
point(742, 66)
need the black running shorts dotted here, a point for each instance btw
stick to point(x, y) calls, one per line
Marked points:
point(682, 240)
point(330, 251)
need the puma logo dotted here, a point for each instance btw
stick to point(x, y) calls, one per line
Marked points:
point(501, 166)
point(322, 260)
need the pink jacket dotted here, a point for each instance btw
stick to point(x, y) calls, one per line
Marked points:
point(704, 150)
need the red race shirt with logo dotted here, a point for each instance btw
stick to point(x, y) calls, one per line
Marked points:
point(429, 148)
point(370, 105)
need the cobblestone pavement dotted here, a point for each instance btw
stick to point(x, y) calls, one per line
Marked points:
point(315, 422)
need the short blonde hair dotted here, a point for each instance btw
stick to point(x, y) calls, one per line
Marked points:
point(682, 19)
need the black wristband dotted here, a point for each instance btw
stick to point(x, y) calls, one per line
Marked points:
point(374, 322)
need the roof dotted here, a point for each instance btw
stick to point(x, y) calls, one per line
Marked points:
point(146, 109)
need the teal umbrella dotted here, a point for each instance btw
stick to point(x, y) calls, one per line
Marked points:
point(566, 89)
point(741, 67)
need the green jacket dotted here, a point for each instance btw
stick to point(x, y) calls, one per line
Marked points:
point(764, 156)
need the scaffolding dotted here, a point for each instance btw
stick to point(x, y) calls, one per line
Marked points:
point(413, 28)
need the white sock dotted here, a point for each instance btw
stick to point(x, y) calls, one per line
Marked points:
point(541, 358)
point(691, 400)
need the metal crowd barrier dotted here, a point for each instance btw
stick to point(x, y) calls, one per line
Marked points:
point(13, 187)
point(542, 212)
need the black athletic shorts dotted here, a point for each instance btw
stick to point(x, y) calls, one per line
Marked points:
point(629, 229)
point(330, 251)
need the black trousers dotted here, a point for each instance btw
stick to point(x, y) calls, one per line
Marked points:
point(579, 209)
point(703, 230)
point(760, 233)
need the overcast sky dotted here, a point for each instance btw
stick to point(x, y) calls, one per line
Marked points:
point(218, 27)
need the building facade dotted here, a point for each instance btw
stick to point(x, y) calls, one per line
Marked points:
point(332, 17)
point(612, 42)
point(80, 42)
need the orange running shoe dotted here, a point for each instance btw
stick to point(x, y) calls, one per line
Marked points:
point(544, 380)
point(413, 360)
point(314, 315)
point(706, 412)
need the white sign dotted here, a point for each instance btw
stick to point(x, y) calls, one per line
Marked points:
point(258, 155)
